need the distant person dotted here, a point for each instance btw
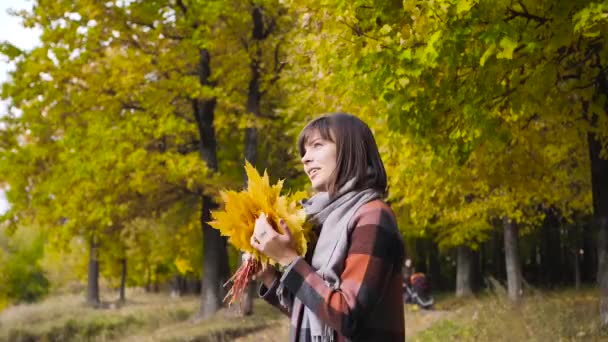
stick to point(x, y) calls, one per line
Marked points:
point(349, 286)
point(416, 287)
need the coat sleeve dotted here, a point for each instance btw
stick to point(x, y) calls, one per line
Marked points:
point(271, 297)
point(372, 256)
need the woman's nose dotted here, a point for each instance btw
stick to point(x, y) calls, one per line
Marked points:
point(305, 158)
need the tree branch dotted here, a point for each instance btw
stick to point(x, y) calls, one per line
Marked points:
point(525, 14)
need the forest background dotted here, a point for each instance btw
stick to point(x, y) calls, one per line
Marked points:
point(127, 118)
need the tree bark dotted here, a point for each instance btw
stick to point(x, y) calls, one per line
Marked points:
point(148, 279)
point(93, 274)
point(498, 252)
point(573, 245)
point(599, 186)
point(551, 260)
point(512, 262)
point(215, 256)
point(421, 258)
point(435, 266)
point(577, 270)
point(254, 98)
point(589, 256)
point(482, 265)
point(464, 272)
point(123, 280)
point(477, 271)
point(156, 284)
point(176, 286)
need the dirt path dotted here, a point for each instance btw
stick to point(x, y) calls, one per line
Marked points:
point(277, 333)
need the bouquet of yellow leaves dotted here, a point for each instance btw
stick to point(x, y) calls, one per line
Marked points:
point(237, 221)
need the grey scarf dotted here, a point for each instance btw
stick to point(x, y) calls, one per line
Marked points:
point(335, 216)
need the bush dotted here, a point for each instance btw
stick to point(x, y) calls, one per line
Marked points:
point(26, 283)
point(22, 279)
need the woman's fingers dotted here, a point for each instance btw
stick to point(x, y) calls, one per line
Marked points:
point(277, 246)
point(286, 229)
point(263, 231)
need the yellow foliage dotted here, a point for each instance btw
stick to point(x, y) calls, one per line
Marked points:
point(183, 266)
point(241, 209)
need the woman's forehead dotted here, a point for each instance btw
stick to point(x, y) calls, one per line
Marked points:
point(316, 134)
point(313, 135)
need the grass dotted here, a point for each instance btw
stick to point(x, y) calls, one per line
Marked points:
point(144, 317)
point(562, 315)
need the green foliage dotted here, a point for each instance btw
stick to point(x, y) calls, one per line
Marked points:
point(65, 265)
point(101, 133)
point(477, 105)
point(481, 110)
point(22, 279)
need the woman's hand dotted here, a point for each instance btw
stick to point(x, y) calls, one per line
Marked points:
point(271, 243)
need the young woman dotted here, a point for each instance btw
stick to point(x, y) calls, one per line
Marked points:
point(349, 286)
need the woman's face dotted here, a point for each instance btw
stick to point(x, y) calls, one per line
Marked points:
point(319, 161)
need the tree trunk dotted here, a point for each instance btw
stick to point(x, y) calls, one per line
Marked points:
point(148, 286)
point(254, 97)
point(573, 245)
point(123, 280)
point(156, 285)
point(93, 276)
point(215, 256)
point(551, 261)
point(434, 271)
point(176, 288)
point(464, 271)
point(589, 256)
point(498, 252)
point(251, 134)
point(513, 265)
point(599, 185)
point(577, 270)
point(481, 266)
point(477, 271)
point(421, 259)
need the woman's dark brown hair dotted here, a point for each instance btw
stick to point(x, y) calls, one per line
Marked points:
point(356, 148)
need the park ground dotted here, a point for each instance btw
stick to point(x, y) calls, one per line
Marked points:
point(547, 315)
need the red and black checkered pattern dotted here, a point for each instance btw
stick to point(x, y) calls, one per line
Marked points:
point(368, 305)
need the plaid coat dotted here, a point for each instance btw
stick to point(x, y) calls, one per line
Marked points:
point(368, 306)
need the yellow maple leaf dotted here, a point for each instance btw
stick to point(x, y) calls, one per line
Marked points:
point(241, 209)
